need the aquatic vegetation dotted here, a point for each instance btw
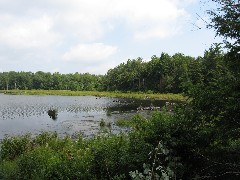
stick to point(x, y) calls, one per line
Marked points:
point(123, 123)
point(106, 126)
point(117, 94)
point(52, 113)
point(102, 123)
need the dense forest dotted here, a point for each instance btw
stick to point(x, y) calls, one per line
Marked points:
point(174, 74)
point(47, 81)
point(199, 140)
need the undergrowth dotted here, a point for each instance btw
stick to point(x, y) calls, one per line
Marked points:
point(109, 156)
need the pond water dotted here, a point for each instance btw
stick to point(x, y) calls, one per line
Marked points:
point(21, 114)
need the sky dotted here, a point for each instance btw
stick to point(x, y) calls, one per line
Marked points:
point(69, 36)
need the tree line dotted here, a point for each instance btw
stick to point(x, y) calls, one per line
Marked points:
point(173, 74)
point(48, 81)
point(164, 74)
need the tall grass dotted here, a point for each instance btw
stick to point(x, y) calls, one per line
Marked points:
point(136, 95)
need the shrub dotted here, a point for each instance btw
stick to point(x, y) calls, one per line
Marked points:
point(8, 169)
point(38, 163)
point(14, 146)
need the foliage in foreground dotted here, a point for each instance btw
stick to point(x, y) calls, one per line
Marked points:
point(48, 156)
point(122, 156)
point(164, 146)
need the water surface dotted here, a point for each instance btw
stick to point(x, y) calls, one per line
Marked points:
point(20, 114)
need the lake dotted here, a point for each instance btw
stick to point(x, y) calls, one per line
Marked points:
point(20, 114)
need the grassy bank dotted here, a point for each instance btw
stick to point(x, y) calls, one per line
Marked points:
point(136, 95)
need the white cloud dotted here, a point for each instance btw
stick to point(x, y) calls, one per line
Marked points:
point(152, 18)
point(89, 53)
point(23, 33)
point(154, 10)
point(90, 20)
point(156, 32)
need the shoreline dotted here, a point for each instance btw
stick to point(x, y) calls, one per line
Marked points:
point(134, 95)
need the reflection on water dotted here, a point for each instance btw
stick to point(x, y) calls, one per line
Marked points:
point(68, 114)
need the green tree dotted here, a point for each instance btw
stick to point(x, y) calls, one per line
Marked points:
point(57, 81)
point(209, 126)
point(225, 19)
point(126, 76)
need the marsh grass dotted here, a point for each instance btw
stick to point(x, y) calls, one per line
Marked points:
point(123, 123)
point(117, 94)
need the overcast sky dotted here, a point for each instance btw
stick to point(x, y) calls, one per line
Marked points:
point(69, 36)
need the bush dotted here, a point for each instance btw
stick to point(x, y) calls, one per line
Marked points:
point(8, 169)
point(37, 164)
point(110, 156)
point(14, 146)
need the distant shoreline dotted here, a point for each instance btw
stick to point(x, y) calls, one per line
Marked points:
point(135, 95)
